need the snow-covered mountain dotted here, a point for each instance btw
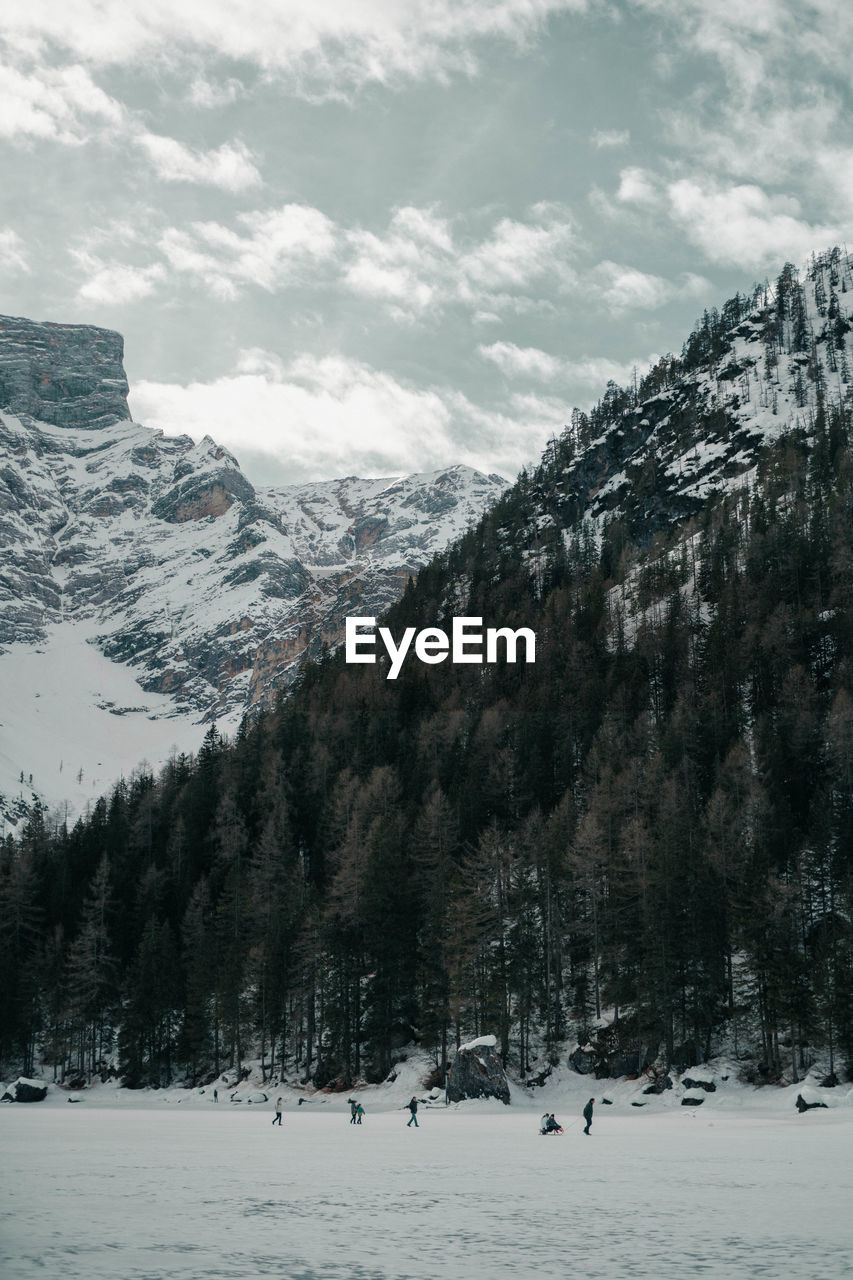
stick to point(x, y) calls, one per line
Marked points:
point(147, 587)
point(695, 425)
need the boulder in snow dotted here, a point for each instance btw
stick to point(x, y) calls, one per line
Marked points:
point(691, 1082)
point(476, 1072)
point(24, 1090)
point(659, 1085)
point(582, 1061)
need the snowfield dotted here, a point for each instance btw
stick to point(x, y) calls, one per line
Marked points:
point(147, 1186)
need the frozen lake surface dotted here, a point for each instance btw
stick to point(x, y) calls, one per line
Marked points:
point(149, 1191)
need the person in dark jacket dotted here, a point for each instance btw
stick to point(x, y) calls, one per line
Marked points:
point(413, 1107)
point(587, 1114)
point(353, 1112)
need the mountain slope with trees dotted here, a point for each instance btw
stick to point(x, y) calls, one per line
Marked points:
point(643, 842)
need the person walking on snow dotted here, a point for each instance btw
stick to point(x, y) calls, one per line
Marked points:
point(413, 1107)
point(587, 1114)
point(277, 1117)
point(353, 1112)
point(359, 1111)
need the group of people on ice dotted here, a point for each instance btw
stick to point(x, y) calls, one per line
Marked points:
point(548, 1123)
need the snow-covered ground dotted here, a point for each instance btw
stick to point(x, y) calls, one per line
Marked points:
point(146, 1186)
point(73, 722)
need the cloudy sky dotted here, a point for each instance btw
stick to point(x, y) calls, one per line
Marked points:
point(374, 236)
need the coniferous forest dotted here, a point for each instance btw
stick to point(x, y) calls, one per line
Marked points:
point(653, 824)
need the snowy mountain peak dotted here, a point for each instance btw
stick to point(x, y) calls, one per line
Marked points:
point(763, 365)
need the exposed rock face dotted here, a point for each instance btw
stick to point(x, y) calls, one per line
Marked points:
point(70, 375)
point(476, 1072)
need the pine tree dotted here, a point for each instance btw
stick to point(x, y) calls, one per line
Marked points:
point(91, 977)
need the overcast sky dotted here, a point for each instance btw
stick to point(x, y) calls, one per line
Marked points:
point(374, 236)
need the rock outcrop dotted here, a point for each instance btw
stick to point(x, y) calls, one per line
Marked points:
point(701, 1083)
point(24, 1090)
point(70, 375)
point(477, 1072)
point(612, 1052)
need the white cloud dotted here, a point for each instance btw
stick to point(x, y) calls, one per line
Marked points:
point(638, 186)
point(331, 416)
point(409, 268)
point(324, 48)
point(230, 166)
point(769, 109)
point(13, 254)
point(586, 377)
point(519, 253)
point(745, 227)
point(418, 269)
point(422, 265)
point(113, 284)
point(623, 288)
point(606, 138)
point(750, 42)
point(209, 94)
point(62, 104)
point(527, 362)
point(272, 248)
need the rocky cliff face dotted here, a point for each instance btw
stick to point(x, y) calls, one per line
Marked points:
point(164, 558)
point(70, 375)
